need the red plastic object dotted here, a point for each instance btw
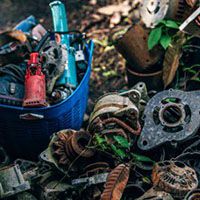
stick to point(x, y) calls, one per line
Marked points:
point(35, 86)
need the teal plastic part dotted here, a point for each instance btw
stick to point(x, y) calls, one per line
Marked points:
point(61, 25)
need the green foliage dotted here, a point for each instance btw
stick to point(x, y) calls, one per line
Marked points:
point(162, 34)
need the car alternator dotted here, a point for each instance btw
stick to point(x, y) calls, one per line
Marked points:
point(170, 116)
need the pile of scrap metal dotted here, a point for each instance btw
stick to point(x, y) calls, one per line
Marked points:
point(140, 144)
point(34, 62)
point(135, 147)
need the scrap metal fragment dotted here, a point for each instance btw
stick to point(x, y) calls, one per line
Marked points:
point(174, 177)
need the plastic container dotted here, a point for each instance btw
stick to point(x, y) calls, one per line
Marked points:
point(25, 132)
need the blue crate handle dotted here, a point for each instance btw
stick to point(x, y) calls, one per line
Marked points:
point(31, 116)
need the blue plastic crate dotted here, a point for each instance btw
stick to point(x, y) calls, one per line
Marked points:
point(24, 137)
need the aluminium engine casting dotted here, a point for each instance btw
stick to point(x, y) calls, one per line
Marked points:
point(12, 181)
point(153, 194)
point(65, 147)
point(174, 177)
point(115, 111)
point(193, 195)
point(170, 116)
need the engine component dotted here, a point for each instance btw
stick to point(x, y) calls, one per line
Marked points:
point(35, 87)
point(154, 194)
point(60, 94)
point(54, 59)
point(93, 180)
point(134, 48)
point(12, 181)
point(95, 168)
point(153, 11)
point(116, 183)
point(170, 116)
point(116, 111)
point(66, 146)
point(174, 177)
point(52, 187)
point(193, 195)
point(25, 196)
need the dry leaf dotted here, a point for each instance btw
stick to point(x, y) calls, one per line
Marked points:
point(116, 183)
point(115, 19)
point(172, 57)
point(123, 8)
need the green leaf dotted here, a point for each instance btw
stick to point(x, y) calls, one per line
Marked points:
point(118, 152)
point(165, 41)
point(123, 142)
point(100, 140)
point(142, 158)
point(171, 24)
point(154, 37)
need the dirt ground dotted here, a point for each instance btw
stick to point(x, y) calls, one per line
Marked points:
point(108, 72)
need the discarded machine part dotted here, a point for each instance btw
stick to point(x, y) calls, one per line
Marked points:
point(95, 168)
point(193, 195)
point(35, 86)
point(153, 11)
point(174, 177)
point(54, 60)
point(66, 146)
point(153, 80)
point(13, 47)
point(52, 188)
point(12, 181)
point(134, 48)
point(115, 111)
point(25, 196)
point(154, 194)
point(93, 180)
point(116, 183)
point(191, 159)
point(172, 57)
point(170, 116)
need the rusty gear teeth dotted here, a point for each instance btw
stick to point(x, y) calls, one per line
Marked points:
point(175, 178)
point(71, 144)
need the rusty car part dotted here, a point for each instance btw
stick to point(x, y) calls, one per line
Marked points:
point(12, 181)
point(95, 168)
point(172, 58)
point(93, 180)
point(174, 177)
point(153, 11)
point(66, 146)
point(114, 110)
point(154, 194)
point(170, 116)
point(152, 80)
point(134, 48)
point(53, 187)
point(193, 195)
point(116, 183)
point(54, 60)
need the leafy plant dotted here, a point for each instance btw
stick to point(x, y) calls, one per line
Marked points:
point(162, 34)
